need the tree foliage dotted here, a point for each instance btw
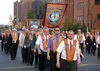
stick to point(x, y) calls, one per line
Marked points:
point(31, 14)
point(74, 26)
point(65, 24)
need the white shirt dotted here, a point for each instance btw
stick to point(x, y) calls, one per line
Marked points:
point(39, 42)
point(21, 38)
point(83, 38)
point(61, 49)
point(98, 39)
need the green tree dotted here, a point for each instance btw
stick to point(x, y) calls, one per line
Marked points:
point(65, 24)
point(31, 14)
point(83, 28)
point(74, 27)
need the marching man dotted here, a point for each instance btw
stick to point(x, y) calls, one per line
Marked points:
point(41, 45)
point(68, 49)
point(14, 44)
point(53, 44)
point(81, 39)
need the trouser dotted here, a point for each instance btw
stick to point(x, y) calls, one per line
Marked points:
point(68, 66)
point(29, 56)
point(53, 62)
point(82, 48)
point(93, 49)
point(36, 59)
point(43, 62)
point(98, 51)
point(13, 51)
point(24, 55)
point(5, 47)
point(88, 49)
point(2, 46)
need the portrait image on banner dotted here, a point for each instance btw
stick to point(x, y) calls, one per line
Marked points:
point(33, 22)
point(54, 14)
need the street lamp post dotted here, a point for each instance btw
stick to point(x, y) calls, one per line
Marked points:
point(17, 10)
point(88, 12)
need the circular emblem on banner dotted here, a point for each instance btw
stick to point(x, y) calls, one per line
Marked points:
point(54, 17)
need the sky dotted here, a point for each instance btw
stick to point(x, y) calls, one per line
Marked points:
point(6, 9)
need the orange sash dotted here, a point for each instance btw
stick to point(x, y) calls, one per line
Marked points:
point(79, 38)
point(36, 34)
point(14, 37)
point(24, 33)
point(43, 42)
point(30, 36)
point(2, 35)
point(96, 38)
point(68, 54)
point(90, 37)
point(54, 43)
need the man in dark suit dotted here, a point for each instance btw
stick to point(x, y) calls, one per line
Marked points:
point(4, 42)
point(9, 41)
point(89, 43)
point(1, 41)
point(94, 45)
point(15, 41)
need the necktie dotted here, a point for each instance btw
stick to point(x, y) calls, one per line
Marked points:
point(46, 40)
point(70, 46)
point(57, 40)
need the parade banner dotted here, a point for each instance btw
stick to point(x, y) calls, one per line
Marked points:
point(54, 14)
point(33, 22)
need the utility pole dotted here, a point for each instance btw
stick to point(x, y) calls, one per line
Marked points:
point(88, 11)
point(17, 11)
point(83, 10)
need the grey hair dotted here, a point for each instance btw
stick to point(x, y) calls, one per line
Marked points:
point(45, 28)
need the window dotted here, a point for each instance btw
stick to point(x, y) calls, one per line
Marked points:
point(78, 18)
point(97, 2)
point(81, 5)
point(98, 16)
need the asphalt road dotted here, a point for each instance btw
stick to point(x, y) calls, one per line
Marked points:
point(89, 63)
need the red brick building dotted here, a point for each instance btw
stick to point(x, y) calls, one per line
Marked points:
point(88, 12)
point(81, 11)
point(95, 14)
point(21, 8)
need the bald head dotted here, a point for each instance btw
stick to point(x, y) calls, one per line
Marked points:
point(70, 34)
point(79, 31)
